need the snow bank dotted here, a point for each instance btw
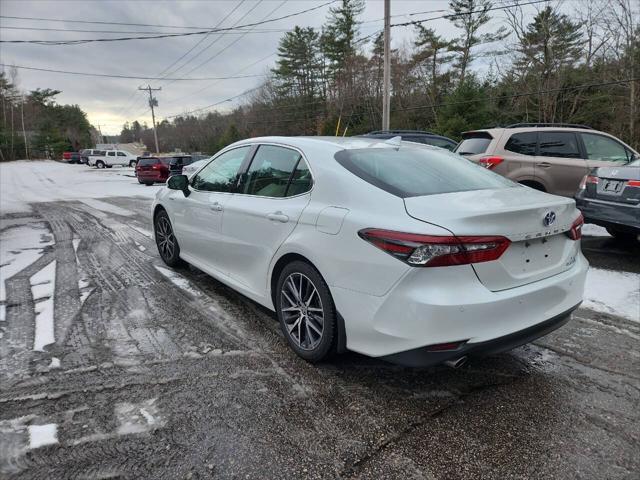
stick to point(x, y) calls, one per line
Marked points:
point(615, 293)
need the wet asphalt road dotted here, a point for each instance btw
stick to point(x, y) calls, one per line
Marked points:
point(151, 380)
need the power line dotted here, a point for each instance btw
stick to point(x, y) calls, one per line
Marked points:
point(215, 104)
point(167, 35)
point(240, 31)
point(168, 69)
point(130, 77)
point(454, 15)
point(215, 40)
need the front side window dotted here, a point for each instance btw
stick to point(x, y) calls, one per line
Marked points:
point(270, 171)
point(599, 147)
point(558, 144)
point(122, 154)
point(413, 172)
point(221, 174)
point(523, 143)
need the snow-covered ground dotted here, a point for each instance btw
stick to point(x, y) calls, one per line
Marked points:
point(615, 293)
point(32, 181)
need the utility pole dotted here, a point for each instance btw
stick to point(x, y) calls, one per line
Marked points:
point(386, 99)
point(153, 103)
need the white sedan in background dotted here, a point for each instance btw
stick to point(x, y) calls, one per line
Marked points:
point(392, 249)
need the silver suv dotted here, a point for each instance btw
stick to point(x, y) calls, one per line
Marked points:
point(549, 157)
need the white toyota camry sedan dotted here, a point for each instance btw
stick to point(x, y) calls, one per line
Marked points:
point(393, 249)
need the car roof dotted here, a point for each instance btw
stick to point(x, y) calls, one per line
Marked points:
point(335, 143)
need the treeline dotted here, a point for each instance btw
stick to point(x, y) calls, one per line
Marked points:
point(549, 67)
point(33, 125)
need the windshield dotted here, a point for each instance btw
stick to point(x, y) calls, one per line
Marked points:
point(415, 171)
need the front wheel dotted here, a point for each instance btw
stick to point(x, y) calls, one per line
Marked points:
point(166, 241)
point(100, 164)
point(306, 312)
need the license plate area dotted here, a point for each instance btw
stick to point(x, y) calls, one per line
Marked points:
point(537, 255)
point(612, 186)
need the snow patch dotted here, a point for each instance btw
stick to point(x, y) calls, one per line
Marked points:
point(142, 231)
point(138, 417)
point(19, 248)
point(42, 288)
point(107, 207)
point(591, 230)
point(41, 435)
point(179, 281)
point(615, 293)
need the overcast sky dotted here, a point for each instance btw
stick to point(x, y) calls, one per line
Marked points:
point(110, 102)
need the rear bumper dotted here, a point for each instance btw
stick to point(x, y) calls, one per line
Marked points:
point(152, 176)
point(621, 216)
point(423, 357)
point(449, 304)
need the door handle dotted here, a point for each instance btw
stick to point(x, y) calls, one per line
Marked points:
point(543, 164)
point(278, 217)
point(216, 207)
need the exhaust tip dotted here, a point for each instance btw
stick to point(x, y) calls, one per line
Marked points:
point(456, 363)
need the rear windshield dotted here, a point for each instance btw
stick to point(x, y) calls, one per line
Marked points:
point(413, 172)
point(474, 143)
point(145, 162)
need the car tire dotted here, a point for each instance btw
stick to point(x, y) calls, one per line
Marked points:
point(100, 164)
point(166, 241)
point(133, 164)
point(109, 166)
point(140, 181)
point(148, 184)
point(308, 318)
point(622, 236)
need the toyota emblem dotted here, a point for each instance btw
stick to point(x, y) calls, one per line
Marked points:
point(549, 219)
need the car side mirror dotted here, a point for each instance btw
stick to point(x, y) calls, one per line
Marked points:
point(179, 182)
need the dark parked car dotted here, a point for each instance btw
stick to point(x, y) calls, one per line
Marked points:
point(417, 136)
point(71, 157)
point(176, 163)
point(150, 170)
point(610, 197)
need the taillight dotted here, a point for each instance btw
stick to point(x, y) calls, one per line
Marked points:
point(490, 162)
point(435, 251)
point(576, 228)
point(592, 179)
point(633, 183)
point(157, 166)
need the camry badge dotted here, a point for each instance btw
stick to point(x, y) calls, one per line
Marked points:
point(549, 219)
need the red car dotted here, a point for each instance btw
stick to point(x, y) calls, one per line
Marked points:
point(150, 170)
point(71, 157)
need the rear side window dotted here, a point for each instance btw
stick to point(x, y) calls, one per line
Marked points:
point(599, 147)
point(523, 143)
point(413, 172)
point(558, 144)
point(474, 143)
point(122, 154)
point(270, 171)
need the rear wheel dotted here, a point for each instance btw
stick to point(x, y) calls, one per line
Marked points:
point(148, 184)
point(133, 164)
point(166, 241)
point(140, 181)
point(306, 312)
point(99, 164)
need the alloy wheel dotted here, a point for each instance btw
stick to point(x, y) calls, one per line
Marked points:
point(165, 238)
point(302, 311)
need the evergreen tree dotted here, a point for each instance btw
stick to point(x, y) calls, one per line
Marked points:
point(469, 16)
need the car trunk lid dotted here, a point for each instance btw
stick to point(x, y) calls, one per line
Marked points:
point(536, 252)
point(614, 184)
